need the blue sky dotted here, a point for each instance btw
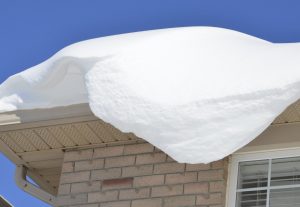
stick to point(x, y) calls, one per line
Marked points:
point(33, 30)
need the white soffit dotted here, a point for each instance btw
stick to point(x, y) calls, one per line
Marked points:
point(290, 115)
point(37, 142)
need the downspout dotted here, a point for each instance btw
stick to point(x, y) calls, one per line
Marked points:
point(20, 179)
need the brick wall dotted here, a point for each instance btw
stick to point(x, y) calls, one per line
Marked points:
point(138, 175)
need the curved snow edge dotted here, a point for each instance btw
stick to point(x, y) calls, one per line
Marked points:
point(197, 93)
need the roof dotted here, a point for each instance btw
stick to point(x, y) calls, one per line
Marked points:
point(175, 96)
point(172, 93)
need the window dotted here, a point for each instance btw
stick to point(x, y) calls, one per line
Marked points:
point(269, 179)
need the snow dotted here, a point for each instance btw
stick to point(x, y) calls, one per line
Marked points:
point(197, 93)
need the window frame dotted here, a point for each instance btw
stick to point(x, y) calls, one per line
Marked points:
point(235, 159)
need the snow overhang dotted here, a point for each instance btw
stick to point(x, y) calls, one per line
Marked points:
point(188, 91)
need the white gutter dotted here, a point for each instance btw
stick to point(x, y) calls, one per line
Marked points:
point(20, 179)
point(4, 202)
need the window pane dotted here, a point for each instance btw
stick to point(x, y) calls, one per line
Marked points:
point(251, 199)
point(285, 171)
point(253, 174)
point(289, 197)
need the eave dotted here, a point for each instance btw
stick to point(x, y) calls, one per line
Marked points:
point(36, 139)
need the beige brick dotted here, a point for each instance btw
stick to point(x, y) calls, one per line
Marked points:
point(168, 168)
point(137, 170)
point(148, 180)
point(180, 201)
point(64, 189)
point(197, 167)
point(195, 188)
point(78, 155)
point(89, 164)
point(138, 148)
point(119, 161)
point(117, 183)
point(75, 177)
point(108, 151)
point(154, 179)
point(71, 200)
point(209, 199)
point(102, 196)
point(151, 158)
point(67, 167)
point(106, 174)
point(87, 205)
point(134, 193)
point(217, 186)
point(210, 175)
point(86, 187)
point(171, 190)
point(116, 204)
point(153, 202)
point(217, 164)
point(185, 177)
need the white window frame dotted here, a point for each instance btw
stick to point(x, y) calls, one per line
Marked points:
point(252, 156)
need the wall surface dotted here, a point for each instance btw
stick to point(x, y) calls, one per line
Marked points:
point(138, 175)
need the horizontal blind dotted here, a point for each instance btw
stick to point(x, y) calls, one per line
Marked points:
point(285, 171)
point(252, 198)
point(283, 186)
point(288, 197)
point(252, 176)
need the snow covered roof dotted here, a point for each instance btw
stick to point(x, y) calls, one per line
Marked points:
point(188, 91)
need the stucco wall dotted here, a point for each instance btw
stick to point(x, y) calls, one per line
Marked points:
point(138, 175)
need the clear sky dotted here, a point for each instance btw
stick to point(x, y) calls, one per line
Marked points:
point(33, 30)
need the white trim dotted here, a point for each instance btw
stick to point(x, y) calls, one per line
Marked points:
point(12, 119)
point(252, 156)
point(6, 202)
point(269, 182)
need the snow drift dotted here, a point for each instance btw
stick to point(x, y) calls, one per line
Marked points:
point(197, 93)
